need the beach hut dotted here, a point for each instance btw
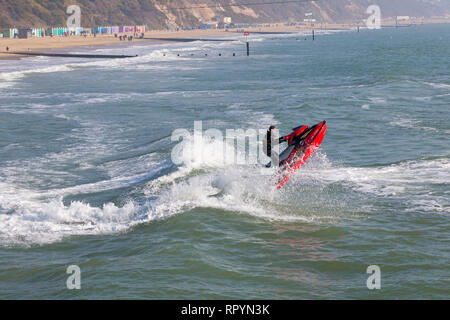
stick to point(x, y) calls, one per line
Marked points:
point(100, 30)
point(128, 29)
point(60, 31)
point(25, 33)
point(38, 32)
point(75, 31)
point(11, 33)
point(6, 33)
point(140, 29)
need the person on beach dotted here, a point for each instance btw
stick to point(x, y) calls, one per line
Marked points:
point(267, 144)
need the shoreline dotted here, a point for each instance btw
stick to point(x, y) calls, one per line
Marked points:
point(50, 43)
point(45, 44)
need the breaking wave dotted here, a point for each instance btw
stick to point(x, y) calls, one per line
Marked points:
point(313, 195)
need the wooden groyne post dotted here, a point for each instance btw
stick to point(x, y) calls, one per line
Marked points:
point(246, 34)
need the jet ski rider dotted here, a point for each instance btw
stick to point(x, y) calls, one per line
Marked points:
point(267, 144)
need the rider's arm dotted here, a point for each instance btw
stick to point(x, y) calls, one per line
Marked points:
point(282, 139)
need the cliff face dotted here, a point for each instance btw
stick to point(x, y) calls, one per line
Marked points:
point(156, 13)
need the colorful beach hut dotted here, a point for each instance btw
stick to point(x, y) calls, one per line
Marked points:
point(25, 33)
point(6, 33)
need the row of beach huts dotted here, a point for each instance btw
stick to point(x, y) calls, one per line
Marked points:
point(25, 33)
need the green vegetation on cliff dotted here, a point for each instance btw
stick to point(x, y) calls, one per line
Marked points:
point(156, 13)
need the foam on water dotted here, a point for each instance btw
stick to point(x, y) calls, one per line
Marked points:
point(412, 124)
point(378, 100)
point(8, 79)
point(211, 179)
point(244, 189)
point(152, 53)
point(438, 85)
point(31, 222)
point(76, 99)
point(39, 217)
point(320, 192)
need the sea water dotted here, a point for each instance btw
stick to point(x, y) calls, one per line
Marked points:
point(87, 177)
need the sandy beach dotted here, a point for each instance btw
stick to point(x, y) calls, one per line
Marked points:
point(49, 43)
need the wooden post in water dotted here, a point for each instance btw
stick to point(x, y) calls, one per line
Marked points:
point(246, 34)
point(313, 34)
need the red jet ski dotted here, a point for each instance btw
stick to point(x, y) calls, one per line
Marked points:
point(302, 143)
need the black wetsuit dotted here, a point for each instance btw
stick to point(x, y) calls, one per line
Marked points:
point(269, 142)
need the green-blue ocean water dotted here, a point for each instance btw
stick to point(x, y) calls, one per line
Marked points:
point(87, 177)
